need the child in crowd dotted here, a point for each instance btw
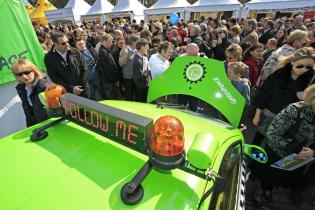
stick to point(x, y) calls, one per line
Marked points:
point(269, 48)
point(234, 73)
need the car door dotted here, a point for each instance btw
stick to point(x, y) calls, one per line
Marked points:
point(227, 188)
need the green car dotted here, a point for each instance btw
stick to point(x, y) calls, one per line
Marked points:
point(129, 155)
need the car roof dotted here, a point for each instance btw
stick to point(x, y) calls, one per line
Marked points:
point(75, 168)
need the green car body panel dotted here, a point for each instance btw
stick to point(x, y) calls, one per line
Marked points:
point(77, 169)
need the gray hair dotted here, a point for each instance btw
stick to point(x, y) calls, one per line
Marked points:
point(196, 29)
point(132, 38)
point(56, 35)
point(141, 42)
point(203, 27)
point(252, 23)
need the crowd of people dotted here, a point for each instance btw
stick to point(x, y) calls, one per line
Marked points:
point(270, 62)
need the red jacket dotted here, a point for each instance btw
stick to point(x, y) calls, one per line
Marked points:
point(253, 70)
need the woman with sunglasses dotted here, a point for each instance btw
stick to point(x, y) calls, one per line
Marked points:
point(220, 44)
point(283, 87)
point(31, 83)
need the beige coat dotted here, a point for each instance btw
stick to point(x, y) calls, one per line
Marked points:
point(251, 38)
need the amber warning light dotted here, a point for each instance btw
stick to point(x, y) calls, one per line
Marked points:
point(166, 149)
point(52, 95)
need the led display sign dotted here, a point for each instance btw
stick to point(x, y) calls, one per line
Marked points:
point(124, 127)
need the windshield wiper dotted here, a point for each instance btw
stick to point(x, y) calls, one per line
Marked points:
point(170, 105)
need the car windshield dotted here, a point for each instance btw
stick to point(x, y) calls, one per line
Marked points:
point(195, 107)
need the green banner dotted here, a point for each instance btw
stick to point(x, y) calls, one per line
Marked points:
point(202, 78)
point(18, 39)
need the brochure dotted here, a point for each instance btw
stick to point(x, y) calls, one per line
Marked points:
point(291, 163)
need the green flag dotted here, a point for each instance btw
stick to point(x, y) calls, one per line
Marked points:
point(18, 39)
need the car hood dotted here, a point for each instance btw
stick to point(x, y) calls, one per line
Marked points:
point(75, 168)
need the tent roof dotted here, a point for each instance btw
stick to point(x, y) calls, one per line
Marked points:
point(278, 4)
point(167, 7)
point(79, 7)
point(214, 6)
point(100, 7)
point(128, 6)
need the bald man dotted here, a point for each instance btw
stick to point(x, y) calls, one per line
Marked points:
point(192, 49)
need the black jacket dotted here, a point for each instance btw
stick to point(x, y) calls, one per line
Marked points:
point(219, 50)
point(107, 66)
point(280, 89)
point(115, 50)
point(138, 77)
point(36, 113)
point(203, 47)
point(266, 36)
point(93, 41)
point(69, 74)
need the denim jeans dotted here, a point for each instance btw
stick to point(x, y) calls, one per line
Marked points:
point(95, 84)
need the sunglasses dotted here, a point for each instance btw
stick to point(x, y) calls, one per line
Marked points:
point(64, 43)
point(309, 67)
point(22, 73)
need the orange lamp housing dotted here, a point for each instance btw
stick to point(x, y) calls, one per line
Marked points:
point(166, 150)
point(52, 95)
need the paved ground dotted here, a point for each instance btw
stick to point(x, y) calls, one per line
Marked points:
point(281, 199)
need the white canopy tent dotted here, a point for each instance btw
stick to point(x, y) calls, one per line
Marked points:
point(79, 7)
point(72, 11)
point(132, 8)
point(215, 6)
point(100, 7)
point(278, 4)
point(98, 10)
point(162, 7)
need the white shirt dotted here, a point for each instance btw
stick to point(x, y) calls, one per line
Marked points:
point(158, 65)
point(132, 50)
